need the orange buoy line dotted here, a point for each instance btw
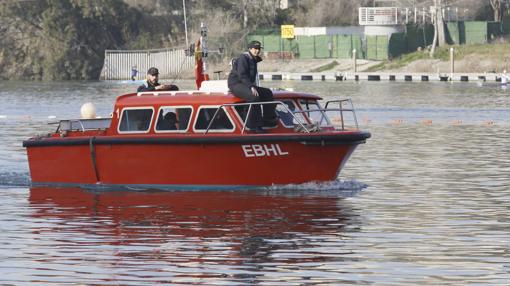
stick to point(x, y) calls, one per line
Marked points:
point(365, 120)
point(426, 121)
point(429, 122)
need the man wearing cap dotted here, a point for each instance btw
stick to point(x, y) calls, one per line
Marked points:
point(242, 81)
point(152, 84)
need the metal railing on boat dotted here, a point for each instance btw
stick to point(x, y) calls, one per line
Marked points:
point(303, 125)
point(82, 124)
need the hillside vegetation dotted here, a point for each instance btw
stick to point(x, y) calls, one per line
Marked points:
point(66, 39)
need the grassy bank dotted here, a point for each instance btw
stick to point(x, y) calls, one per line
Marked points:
point(497, 54)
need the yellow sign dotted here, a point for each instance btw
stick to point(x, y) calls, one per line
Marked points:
point(287, 31)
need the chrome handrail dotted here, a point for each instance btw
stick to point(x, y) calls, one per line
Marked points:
point(341, 109)
point(70, 124)
point(80, 122)
point(340, 102)
point(250, 104)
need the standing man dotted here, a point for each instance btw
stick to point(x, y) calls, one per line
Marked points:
point(242, 81)
point(152, 84)
point(134, 72)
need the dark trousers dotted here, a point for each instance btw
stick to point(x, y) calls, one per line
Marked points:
point(256, 119)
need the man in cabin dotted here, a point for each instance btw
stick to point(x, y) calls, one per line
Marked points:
point(152, 83)
point(243, 83)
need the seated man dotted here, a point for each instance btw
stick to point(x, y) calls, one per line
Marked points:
point(167, 122)
point(243, 83)
point(152, 84)
point(285, 113)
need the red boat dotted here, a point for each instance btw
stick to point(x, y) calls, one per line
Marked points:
point(197, 140)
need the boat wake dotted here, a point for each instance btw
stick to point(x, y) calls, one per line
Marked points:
point(14, 179)
point(346, 188)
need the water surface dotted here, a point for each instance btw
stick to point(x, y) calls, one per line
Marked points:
point(425, 201)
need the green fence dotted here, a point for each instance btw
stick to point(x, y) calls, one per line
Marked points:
point(323, 46)
point(419, 36)
point(397, 45)
point(494, 30)
point(473, 32)
point(505, 26)
point(313, 47)
point(345, 44)
point(379, 47)
point(476, 32)
point(453, 33)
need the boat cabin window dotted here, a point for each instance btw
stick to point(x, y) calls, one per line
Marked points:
point(173, 119)
point(135, 120)
point(286, 114)
point(314, 115)
point(221, 123)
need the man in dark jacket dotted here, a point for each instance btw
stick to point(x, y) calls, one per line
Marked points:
point(152, 84)
point(242, 81)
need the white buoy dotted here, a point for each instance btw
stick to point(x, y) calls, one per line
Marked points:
point(88, 111)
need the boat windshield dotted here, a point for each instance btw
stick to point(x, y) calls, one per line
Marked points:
point(287, 114)
point(314, 112)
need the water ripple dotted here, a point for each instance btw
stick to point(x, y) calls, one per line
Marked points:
point(421, 203)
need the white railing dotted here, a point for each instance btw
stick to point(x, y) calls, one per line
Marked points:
point(170, 62)
point(378, 16)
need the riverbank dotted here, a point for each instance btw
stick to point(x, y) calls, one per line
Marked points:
point(489, 58)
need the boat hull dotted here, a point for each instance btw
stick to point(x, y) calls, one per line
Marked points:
point(197, 162)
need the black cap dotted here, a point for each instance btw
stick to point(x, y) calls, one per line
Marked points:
point(153, 71)
point(255, 45)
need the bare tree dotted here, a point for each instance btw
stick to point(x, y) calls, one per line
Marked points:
point(439, 33)
point(496, 7)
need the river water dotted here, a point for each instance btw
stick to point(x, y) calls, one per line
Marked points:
point(425, 201)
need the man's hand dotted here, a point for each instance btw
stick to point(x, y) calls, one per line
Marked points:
point(167, 87)
point(254, 91)
point(162, 87)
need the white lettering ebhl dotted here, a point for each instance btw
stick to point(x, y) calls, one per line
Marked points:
point(261, 150)
point(248, 151)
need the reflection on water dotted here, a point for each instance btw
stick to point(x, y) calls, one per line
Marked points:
point(176, 237)
point(426, 201)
